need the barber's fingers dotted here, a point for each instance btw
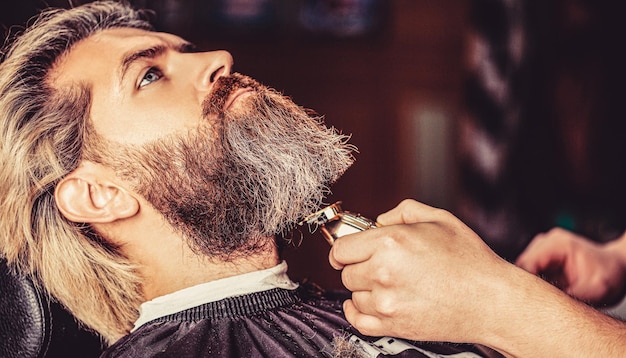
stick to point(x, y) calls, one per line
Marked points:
point(541, 256)
point(360, 247)
point(409, 212)
point(366, 324)
point(352, 249)
point(358, 277)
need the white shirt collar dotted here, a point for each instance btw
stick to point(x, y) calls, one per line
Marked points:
point(257, 281)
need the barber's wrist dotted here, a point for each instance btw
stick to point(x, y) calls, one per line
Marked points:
point(498, 298)
point(522, 314)
point(507, 296)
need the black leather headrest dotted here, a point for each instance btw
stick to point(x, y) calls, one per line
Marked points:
point(31, 326)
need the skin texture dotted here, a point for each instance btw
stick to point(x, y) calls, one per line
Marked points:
point(424, 275)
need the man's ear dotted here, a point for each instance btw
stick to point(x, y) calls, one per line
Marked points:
point(87, 195)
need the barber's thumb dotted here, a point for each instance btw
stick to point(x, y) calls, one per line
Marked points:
point(408, 211)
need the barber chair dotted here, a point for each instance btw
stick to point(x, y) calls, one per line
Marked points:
point(34, 326)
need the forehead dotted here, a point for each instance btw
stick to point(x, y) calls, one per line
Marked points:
point(104, 51)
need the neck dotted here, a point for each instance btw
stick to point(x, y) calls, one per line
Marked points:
point(167, 264)
point(184, 268)
point(165, 261)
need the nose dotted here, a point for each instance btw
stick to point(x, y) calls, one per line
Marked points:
point(217, 64)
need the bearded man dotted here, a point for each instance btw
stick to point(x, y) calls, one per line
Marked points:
point(143, 184)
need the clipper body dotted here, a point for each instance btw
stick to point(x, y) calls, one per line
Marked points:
point(335, 223)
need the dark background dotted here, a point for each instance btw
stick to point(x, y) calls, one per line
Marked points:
point(395, 74)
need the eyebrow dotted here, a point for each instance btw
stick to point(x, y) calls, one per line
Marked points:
point(150, 53)
point(135, 56)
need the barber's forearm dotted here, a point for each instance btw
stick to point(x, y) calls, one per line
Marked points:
point(538, 320)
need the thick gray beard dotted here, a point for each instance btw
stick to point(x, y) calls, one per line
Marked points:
point(229, 185)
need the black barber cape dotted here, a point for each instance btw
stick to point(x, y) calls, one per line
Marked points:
point(305, 322)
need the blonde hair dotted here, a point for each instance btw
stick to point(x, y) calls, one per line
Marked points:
point(43, 133)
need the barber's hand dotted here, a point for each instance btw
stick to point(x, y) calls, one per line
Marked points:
point(594, 273)
point(424, 275)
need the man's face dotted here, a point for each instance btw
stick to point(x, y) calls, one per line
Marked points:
point(226, 160)
point(144, 85)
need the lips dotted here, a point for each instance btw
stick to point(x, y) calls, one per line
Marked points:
point(237, 96)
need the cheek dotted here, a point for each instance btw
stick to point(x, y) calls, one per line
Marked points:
point(145, 122)
point(168, 113)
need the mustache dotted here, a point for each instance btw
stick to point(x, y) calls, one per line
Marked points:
point(223, 88)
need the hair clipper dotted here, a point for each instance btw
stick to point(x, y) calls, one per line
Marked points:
point(335, 223)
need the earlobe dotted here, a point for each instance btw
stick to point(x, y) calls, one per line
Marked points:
point(82, 197)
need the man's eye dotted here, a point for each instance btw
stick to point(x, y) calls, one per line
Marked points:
point(153, 75)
